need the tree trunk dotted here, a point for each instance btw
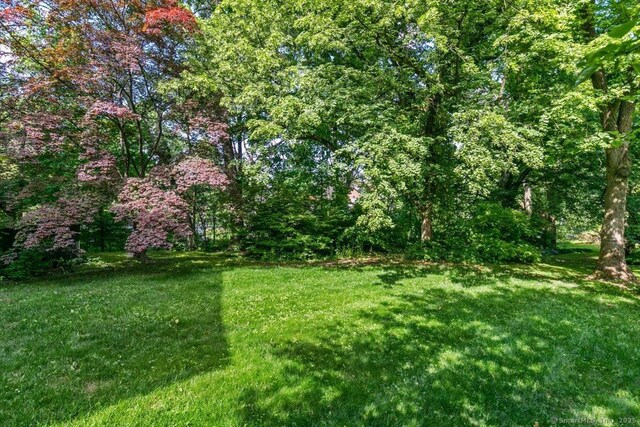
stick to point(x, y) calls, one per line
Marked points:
point(141, 257)
point(612, 263)
point(233, 156)
point(553, 232)
point(528, 199)
point(193, 222)
point(76, 230)
point(426, 229)
point(617, 116)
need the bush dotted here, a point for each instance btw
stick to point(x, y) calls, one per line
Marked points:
point(499, 251)
point(494, 221)
point(294, 229)
point(633, 258)
point(37, 262)
point(491, 234)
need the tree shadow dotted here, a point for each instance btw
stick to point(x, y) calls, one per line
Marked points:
point(71, 350)
point(467, 276)
point(571, 267)
point(496, 356)
point(487, 350)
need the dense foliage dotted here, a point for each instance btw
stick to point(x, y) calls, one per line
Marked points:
point(464, 131)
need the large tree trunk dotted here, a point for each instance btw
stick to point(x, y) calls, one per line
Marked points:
point(612, 263)
point(617, 116)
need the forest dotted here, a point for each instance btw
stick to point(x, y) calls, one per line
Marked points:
point(319, 212)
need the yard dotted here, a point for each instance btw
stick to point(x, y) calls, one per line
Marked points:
point(206, 340)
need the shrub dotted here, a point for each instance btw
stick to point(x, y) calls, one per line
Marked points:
point(500, 251)
point(491, 234)
point(290, 229)
point(494, 221)
point(37, 262)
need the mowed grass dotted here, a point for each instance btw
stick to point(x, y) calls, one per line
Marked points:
point(203, 340)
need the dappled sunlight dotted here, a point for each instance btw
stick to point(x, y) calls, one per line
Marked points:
point(319, 213)
point(200, 337)
point(457, 364)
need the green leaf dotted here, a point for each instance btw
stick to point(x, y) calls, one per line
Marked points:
point(622, 30)
point(627, 47)
point(587, 73)
point(602, 52)
point(618, 138)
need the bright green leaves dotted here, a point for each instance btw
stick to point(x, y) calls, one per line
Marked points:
point(405, 101)
point(622, 30)
point(394, 165)
point(8, 169)
point(617, 139)
point(616, 47)
point(490, 146)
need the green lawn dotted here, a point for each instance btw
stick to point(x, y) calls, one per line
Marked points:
point(203, 340)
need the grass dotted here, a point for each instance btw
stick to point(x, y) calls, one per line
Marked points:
point(203, 340)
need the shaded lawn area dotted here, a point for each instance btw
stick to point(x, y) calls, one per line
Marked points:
point(203, 340)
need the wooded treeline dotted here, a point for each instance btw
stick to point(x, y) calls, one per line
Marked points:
point(471, 130)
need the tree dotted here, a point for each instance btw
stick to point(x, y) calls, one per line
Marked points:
point(156, 206)
point(446, 130)
point(91, 117)
point(612, 70)
point(375, 96)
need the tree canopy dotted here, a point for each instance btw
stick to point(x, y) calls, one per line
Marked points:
point(468, 131)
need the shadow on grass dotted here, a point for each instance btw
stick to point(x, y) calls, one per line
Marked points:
point(496, 356)
point(489, 351)
point(66, 351)
point(474, 275)
point(574, 266)
point(118, 265)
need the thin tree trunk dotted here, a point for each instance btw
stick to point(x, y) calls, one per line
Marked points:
point(193, 222)
point(426, 228)
point(215, 225)
point(528, 199)
point(142, 257)
point(102, 233)
point(204, 223)
point(553, 232)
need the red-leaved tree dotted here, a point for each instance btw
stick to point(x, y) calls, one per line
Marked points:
point(88, 123)
point(155, 206)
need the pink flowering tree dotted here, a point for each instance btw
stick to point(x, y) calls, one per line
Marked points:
point(194, 178)
point(195, 172)
point(56, 224)
point(155, 214)
point(89, 129)
point(157, 207)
